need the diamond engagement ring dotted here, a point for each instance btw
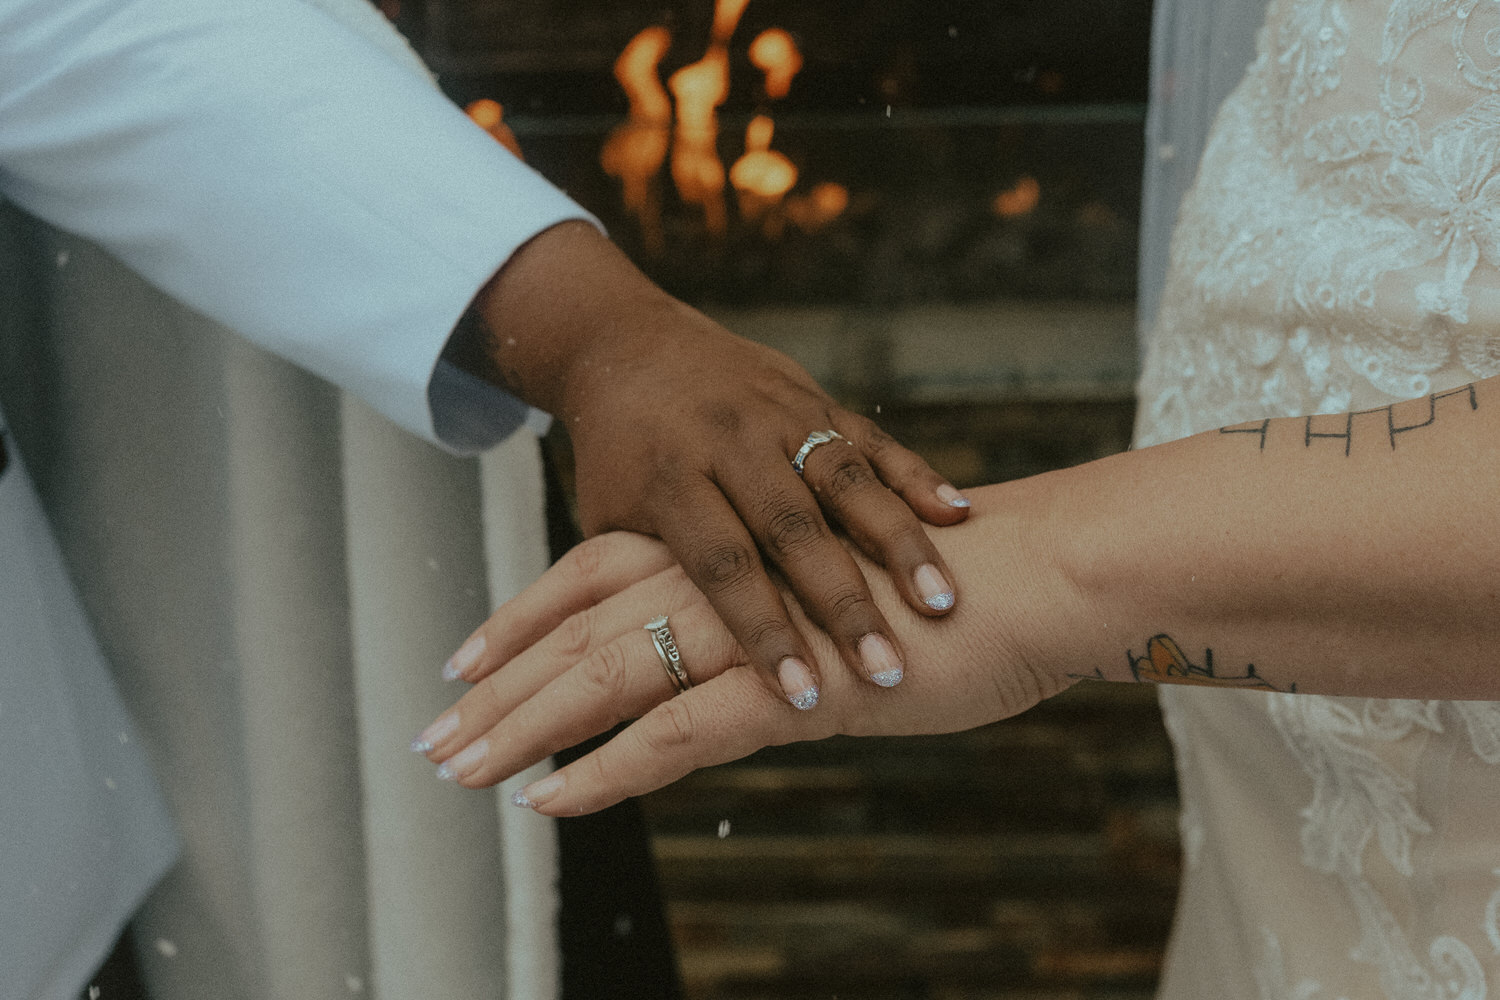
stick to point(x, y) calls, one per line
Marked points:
point(813, 440)
point(666, 651)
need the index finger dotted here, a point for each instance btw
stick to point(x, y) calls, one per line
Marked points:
point(587, 574)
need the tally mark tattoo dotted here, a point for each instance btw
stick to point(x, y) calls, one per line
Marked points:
point(1164, 662)
point(1414, 415)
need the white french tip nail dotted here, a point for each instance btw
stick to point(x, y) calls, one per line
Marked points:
point(459, 663)
point(888, 678)
point(518, 798)
point(435, 733)
point(539, 793)
point(464, 761)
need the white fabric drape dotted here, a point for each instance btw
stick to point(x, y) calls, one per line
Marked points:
point(1199, 51)
point(276, 578)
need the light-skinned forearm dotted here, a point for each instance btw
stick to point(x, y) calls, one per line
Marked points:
point(1353, 554)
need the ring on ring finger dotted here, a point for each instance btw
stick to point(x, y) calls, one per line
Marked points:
point(814, 439)
point(668, 653)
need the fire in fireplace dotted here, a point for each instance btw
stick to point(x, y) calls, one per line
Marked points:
point(864, 152)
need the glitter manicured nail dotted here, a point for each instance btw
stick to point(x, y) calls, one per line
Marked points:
point(880, 660)
point(951, 496)
point(459, 663)
point(464, 761)
point(797, 683)
point(434, 734)
point(934, 590)
point(538, 793)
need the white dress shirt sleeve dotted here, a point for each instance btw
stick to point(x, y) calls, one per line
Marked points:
point(279, 174)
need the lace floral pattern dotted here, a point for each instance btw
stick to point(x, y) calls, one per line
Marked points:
point(1341, 249)
point(1359, 797)
point(1327, 254)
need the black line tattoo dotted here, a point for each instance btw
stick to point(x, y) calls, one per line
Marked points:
point(1390, 411)
point(1340, 427)
point(1347, 436)
point(1259, 429)
point(1164, 662)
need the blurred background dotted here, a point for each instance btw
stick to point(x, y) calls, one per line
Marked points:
point(933, 207)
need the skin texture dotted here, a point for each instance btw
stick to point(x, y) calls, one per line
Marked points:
point(685, 432)
point(1352, 554)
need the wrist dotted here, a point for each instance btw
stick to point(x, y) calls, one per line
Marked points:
point(1010, 559)
point(1089, 581)
point(556, 310)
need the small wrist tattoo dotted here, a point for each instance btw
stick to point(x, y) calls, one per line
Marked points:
point(1164, 662)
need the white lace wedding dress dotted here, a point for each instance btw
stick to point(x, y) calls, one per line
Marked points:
point(1340, 249)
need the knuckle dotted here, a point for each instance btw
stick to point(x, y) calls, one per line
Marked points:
point(607, 674)
point(877, 443)
point(723, 418)
point(585, 559)
point(849, 475)
point(848, 603)
point(793, 527)
point(575, 633)
point(904, 543)
point(670, 470)
point(723, 565)
point(672, 727)
point(763, 631)
point(601, 773)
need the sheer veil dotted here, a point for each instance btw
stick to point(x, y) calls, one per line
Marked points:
point(1199, 51)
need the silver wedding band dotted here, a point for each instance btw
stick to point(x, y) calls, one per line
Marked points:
point(813, 440)
point(666, 651)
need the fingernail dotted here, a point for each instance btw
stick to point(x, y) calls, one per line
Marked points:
point(459, 663)
point(464, 761)
point(538, 793)
point(879, 658)
point(936, 593)
point(797, 682)
point(951, 497)
point(429, 737)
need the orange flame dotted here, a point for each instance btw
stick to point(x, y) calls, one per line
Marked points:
point(775, 53)
point(636, 149)
point(699, 89)
point(820, 206)
point(727, 18)
point(636, 69)
point(1019, 200)
point(761, 177)
point(762, 173)
point(489, 115)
